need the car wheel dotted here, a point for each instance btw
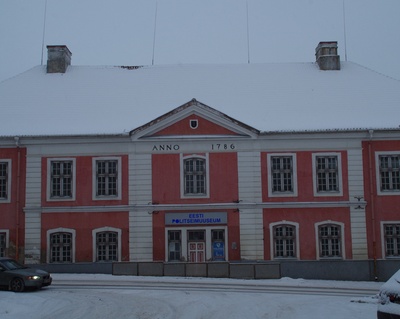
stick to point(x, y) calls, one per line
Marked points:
point(17, 285)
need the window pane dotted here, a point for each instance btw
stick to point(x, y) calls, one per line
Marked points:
point(330, 240)
point(107, 177)
point(2, 244)
point(389, 170)
point(61, 179)
point(392, 240)
point(174, 245)
point(3, 180)
point(327, 173)
point(284, 241)
point(282, 173)
point(195, 176)
point(107, 246)
point(61, 247)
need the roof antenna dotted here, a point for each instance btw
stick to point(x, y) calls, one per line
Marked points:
point(155, 29)
point(344, 31)
point(44, 30)
point(248, 40)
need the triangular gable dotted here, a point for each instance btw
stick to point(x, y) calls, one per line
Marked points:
point(194, 119)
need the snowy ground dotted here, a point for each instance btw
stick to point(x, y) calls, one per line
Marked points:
point(73, 302)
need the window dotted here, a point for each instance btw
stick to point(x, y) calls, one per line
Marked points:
point(107, 246)
point(327, 175)
point(174, 245)
point(389, 173)
point(61, 182)
point(5, 169)
point(284, 241)
point(330, 241)
point(106, 178)
point(282, 179)
point(218, 244)
point(3, 244)
point(194, 177)
point(61, 247)
point(392, 240)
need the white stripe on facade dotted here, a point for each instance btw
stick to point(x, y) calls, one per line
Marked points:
point(251, 220)
point(357, 214)
point(32, 210)
point(140, 222)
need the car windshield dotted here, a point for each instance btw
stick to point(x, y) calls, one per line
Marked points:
point(11, 264)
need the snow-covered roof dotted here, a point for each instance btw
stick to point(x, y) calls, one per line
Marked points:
point(268, 97)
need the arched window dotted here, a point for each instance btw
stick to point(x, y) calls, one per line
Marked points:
point(3, 242)
point(61, 245)
point(392, 239)
point(107, 244)
point(330, 240)
point(284, 238)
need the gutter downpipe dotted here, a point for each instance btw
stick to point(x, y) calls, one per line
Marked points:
point(16, 138)
point(372, 203)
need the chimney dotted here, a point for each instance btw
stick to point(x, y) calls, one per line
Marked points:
point(326, 56)
point(58, 58)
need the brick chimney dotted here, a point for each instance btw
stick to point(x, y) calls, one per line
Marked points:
point(327, 56)
point(58, 58)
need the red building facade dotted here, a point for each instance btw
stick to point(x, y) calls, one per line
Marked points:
point(196, 185)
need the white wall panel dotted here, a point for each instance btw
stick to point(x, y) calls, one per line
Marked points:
point(140, 222)
point(357, 215)
point(32, 209)
point(251, 221)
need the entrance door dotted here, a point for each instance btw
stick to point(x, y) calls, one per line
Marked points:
point(196, 246)
point(196, 252)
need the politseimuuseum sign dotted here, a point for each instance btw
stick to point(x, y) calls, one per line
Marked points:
point(195, 218)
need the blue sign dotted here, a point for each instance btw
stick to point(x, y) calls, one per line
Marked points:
point(182, 219)
point(219, 250)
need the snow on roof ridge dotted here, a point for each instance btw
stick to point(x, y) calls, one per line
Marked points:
point(331, 130)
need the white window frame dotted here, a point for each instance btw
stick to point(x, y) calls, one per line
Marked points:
point(271, 193)
point(383, 242)
point(60, 230)
point(339, 173)
point(342, 237)
point(378, 174)
point(208, 241)
point(106, 229)
point(9, 169)
point(272, 242)
point(48, 191)
point(94, 179)
point(182, 175)
point(7, 232)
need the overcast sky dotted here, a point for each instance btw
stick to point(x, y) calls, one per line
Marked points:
point(121, 32)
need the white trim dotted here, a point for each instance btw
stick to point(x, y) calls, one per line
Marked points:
point(60, 230)
point(7, 239)
point(383, 243)
point(106, 229)
point(272, 248)
point(208, 240)
point(182, 175)
point(342, 237)
point(119, 179)
point(378, 175)
point(294, 193)
point(9, 179)
point(48, 190)
point(340, 177)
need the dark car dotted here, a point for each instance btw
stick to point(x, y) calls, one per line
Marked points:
point(17, 277)
point(389, 298)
